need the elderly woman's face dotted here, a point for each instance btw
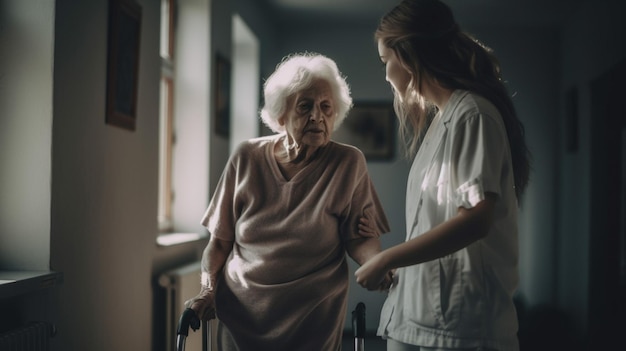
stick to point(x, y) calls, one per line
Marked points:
point(310, 115)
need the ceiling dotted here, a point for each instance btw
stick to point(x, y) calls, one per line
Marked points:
point(467, 12)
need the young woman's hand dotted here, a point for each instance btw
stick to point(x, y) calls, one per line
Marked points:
point(373, 275)
point(378, 282)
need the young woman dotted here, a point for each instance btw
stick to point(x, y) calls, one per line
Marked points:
point(457, 270)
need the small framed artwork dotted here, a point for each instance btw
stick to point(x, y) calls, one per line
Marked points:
point(123, 63)
point(370, 126)
point(222, 96)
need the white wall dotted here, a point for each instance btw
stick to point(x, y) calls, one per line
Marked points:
point(27, 40)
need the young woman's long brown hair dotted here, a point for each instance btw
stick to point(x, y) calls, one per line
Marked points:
point(434, 46)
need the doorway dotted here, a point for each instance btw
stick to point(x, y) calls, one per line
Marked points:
point(607, 288)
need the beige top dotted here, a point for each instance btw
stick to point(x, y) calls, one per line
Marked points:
point(285, 283)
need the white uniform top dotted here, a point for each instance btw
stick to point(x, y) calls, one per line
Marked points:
point(463, 299)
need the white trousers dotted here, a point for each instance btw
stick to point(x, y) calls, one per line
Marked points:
point(393, 345)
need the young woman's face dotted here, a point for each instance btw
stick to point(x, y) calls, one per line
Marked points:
point(310, 115)
point(398, 76)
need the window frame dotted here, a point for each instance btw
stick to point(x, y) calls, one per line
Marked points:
point(166, 116)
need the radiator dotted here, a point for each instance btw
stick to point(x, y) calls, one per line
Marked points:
point(35, 336)
point(181, 284)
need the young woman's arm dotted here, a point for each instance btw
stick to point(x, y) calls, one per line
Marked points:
point(468, 226)
point(363, 249)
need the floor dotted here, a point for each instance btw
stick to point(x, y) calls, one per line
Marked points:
point(371, 343)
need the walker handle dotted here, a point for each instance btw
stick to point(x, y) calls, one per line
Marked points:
point(188, 319)
point(358, 320)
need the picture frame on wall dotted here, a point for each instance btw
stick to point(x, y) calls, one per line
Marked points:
point(370, 126)
point(124, 34)
point(222, 96)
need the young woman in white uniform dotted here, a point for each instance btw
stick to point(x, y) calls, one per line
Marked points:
point(456, 273)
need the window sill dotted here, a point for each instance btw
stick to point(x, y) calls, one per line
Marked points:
point(171, 239)
point(15, 283)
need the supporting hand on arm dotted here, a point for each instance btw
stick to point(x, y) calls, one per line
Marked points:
point(468, 226)
point(362, 250)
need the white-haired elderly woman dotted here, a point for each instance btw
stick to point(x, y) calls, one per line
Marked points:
point(284, 214)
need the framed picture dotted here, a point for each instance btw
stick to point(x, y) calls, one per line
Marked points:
point(123, 63)
point(222, 96)
point(370, 126)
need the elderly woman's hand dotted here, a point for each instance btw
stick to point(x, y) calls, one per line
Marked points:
point(203, 304)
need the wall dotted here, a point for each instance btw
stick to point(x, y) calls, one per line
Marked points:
point(591, 44)
point(104, 186)
point(260, 22)
point(529, 58)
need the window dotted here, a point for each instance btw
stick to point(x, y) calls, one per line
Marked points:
point(184, 120)
point(166, 111)
point(246, 71)
point(185, 114)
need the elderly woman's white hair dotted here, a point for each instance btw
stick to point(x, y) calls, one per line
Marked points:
point(295, 73)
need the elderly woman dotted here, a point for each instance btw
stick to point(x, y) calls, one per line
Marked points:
point(284, 214)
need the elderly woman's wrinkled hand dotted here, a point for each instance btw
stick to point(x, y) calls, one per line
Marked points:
point(203, 304)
